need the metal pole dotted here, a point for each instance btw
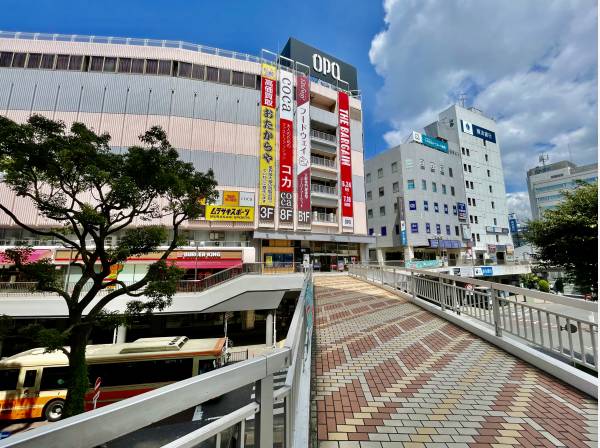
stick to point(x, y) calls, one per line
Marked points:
point(496, 312)
point(196, 264)
point(263, 429)
point(441, 293)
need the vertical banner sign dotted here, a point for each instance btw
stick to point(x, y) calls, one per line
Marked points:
point(303, 149)
point(345, 161)
point(268, 101)
point(286, 148)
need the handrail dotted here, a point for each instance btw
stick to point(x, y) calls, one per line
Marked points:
point(317, 188)
point(323, 136)
point(505, 308)
point(107, 423)
point(323, 161)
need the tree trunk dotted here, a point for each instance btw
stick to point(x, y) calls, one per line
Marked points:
point(78, 376)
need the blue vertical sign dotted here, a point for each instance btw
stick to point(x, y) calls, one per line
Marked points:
point(512, 223)
point(403, 238)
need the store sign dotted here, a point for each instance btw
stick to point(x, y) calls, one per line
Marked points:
point(229, 213)
point(286, 149)
point(246, 199)
point(430, 141)
point(497, 230)
point(423, 264)
point(462, 210)
point(345, 154)
point(414, 227)
point(231, 198)
point(266, 178)
point(303, 149)
point(403, 238)
point(199, 254)
point(477, 131)
point(323, 65)
point(412, 205)
point(512, 223)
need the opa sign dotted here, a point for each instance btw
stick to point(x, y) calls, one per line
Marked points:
point(323, 65)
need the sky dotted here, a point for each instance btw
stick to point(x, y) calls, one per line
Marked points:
point(529, 64)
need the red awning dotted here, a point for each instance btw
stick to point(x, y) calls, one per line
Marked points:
point(207, 264)
point(36, 255)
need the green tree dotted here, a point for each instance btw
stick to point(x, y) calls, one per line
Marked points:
point(529, 281)
point(92, 194)
point(559, 285)
point(567, 237)
point(543, 285)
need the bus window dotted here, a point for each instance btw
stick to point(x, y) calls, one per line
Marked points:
point(54, 378)
point(8, 379)
point(141, 372)
point(205, 365)
point(30, 378)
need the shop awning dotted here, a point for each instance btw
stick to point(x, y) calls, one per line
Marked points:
point(207, 264)
point(36, 255)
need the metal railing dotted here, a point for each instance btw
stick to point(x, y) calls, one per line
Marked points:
point(323, 136)
point(107, 423)
point(183, 286)
point(560, 326)
point(322, 161)
point(317, 188)
point(330, 218)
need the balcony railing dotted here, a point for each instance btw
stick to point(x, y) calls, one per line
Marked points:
point(317, 188)
point(323, 136)
point(323, 161)
point(330, 218)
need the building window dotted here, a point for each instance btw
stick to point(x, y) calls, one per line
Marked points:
point(473, 237)
point(464, 167)
point(467, 183)
point(448, 231)
point(368, 178)
point(426, 206)
point(444, 191)
point(438, 229)
point(34, 60)
point(469, 201)
point(395, 207)
point(198, 72)
point(19, 60)
point(486, 158)
point(164, 68)
point(493, 205)
point(442, 170)
point(110, 65)
point(383, 231)
point(397, 229)
point(472, 186)
point(497, 238)
point(478, 238)
point(6, 59)
point(471, 218)
point(454, 210)
point(434, 187)
point(456, 232)
point(370, 213)
point(469, 169)
point(423, 185)
point(410, 184)
point(124, 65)
point(394, 167)
point(436, 207)
point(237, 78)
point(488, 173)
point(151, 66)
point(491, 189)
point(224, 76)
point(463, 150)
point(380, 173)
point(369, 195)
point(452, 191)
point(395, 187)
point(249, 80)
point(450, 173)
point(137, 66)
point(476, 220)
point(432, 167)
point(408, 163)
point(468, 153)
point(422, 164)
point(427, 228)
point(212, 74)
point(371, 232)
point(381, 192)
point(414, 227)
point(47, 61)
point(495, 222)
point(446, 208)
point(474, 203)
point(382, 210)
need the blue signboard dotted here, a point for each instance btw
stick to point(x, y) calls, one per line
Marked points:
point(454, 209)
point(438, 229)
point(478, 131)
point(446, 208)
point(422, 264)
point(462, 210)
point(444, 244)
point(414, 227)
point(512, 223)
point(427, 228)
point(430, 141)
point(487, 271)
point(412, 205)
point(403, 238)
point(426, 206)
point(436, 207)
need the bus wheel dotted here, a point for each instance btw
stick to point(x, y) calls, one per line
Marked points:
point(54, 410)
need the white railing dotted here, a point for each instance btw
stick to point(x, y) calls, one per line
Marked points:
point(317, 188)
point(323, 136)
point(330, 218)
point(322, 161)
point(97, 427)
point(560, 326)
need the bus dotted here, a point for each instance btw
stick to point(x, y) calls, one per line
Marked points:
point(33, 384)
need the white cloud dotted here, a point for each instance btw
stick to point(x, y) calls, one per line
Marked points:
point(518, 203)
point(532, 65)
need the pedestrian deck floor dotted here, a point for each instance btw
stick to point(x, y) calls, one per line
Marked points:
point(386, 373)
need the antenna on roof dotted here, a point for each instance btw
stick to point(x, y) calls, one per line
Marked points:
point(462, 99)
point(543, 158)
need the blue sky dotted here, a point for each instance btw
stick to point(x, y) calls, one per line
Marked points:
point(531, 65)
point(245, 26)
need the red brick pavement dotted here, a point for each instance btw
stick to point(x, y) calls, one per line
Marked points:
point(388, 374)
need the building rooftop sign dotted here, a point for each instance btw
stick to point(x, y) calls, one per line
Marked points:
point(432, 142)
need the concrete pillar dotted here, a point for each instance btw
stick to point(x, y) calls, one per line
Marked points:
point(364, 253)
point(269, 338)
point(380, 256)
point(409, 253)
point(248, 319)
point(120, 334)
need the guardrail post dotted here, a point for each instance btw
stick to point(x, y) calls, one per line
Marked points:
point(496, 312)
point(395, 279)
point(441, 293)
point(263, 425)
point(413, 285)
point(454, 298)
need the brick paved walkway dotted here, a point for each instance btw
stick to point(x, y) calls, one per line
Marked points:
point(388, 374)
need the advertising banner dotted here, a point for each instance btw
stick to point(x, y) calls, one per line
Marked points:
point(512, 223)
point(462, 210)
point(303, 149)
point(345, 161)
point(478, 131)
point(430, 141)
point(286, 149)
point(403, 239)
point(266, 175)
point(231, 198)
point(230, 213)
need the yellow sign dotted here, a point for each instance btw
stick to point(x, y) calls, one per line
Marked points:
point(229, 213)
point(266, 178)
point(231, 198)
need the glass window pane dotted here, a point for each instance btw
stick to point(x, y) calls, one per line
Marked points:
point(212, 74)
point(224, 76)
point(164, 68)
point(75, 63)
point(137, 66)
point(96, 65)
point(5, 59)
point(249, 80)
point(54, 378)
point(8, 379)
point(237, 79)
point(34, 61)
point(110, 64)
point(185, 70)
point(62, 62)
point(19, 60)
point(47, 61)
point(124, 65)
point(30, 378)
point(151, 66)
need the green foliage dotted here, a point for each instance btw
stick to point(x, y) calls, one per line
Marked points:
point(93, 194)
point(543, 285)
point(559, 285)
point(567, 237)
point(529, 281)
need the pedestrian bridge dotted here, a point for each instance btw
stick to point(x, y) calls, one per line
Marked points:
point(399, 358)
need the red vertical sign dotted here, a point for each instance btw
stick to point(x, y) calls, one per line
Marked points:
point(345, 161)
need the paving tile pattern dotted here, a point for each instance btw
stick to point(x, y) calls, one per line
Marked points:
point(388, 374)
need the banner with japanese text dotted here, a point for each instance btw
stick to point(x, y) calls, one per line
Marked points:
point(229, 213)
point(267, 175)
point(345, 155)
point(303, 149)
point(286, 149)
